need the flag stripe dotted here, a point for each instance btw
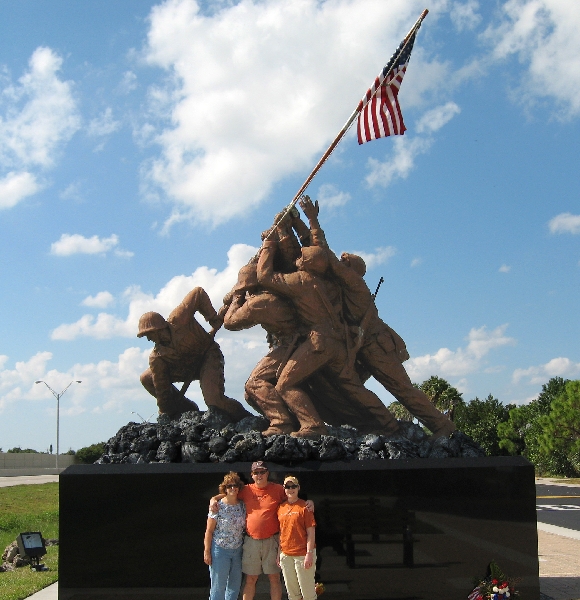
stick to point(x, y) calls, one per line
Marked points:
point(380, 113)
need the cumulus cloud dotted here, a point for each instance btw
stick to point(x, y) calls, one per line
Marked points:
point(465, 15)
point(14, 187)
point(99, 380)
point(128, 82)
point(379, 257)
point(103, 125)
point(18, 383)
point(448, 363)
point(72, 192)
point(416, 262)
point(557, 367)
point(106, 325)
point(69, 244)
point(38, 116)
point(329, 196)
point(565, 223)
point(100, 300)
point(505, 269)
point(543, 34)
point(250, 102)
point(407, 148)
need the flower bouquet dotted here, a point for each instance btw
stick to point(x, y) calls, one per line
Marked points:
point(494, 586)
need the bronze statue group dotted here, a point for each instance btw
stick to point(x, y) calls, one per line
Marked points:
point(324, 334)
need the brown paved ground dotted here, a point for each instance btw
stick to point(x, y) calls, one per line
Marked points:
point(559, 558)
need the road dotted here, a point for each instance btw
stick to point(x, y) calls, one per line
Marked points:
point(558, 505)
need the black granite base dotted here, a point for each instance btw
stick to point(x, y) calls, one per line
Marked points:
point(421, 528)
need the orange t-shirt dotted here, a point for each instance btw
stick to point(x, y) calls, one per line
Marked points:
point(294, 520)
point(261, 508)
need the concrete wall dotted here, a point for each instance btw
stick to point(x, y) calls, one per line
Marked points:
point(26, 460)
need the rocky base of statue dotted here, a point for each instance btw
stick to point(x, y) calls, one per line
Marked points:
point(210, 437)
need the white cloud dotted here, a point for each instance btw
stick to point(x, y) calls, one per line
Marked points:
point(448, 363)
point(329, 196)
point(251, 102)
point(128, 83)
point(379, 257)
point(40, 116)
point(406, 148)
point(112, 383)
point(505, 269)
point(18, 383)
point(100, 300)
point(78, 244)
point(416, 262)
point(544, 36)
point(14, 187)
point(106, 325)
point(436, 118)
point(565, 223)
point(72, 192)
point(465, 15)
point(103, 125)
point(557, 367)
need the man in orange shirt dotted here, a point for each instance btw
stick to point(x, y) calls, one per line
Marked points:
point(261, 545)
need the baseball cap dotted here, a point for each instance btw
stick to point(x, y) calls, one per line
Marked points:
point(259, 464)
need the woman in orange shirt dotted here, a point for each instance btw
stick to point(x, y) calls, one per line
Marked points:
point(297, 543)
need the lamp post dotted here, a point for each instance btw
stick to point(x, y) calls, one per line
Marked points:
point(57, 396)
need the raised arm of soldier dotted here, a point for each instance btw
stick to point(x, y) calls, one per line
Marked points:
point(311, 210)
point(288, 245)
point(300, 227)
point(196, 301)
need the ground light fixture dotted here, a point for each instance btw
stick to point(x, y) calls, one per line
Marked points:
point(57, 396)
point(31, 544)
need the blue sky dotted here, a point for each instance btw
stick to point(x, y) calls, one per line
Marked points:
point(144, 146)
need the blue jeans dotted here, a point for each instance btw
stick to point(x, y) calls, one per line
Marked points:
point(225, 572)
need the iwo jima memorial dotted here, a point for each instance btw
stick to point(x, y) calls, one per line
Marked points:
point(401, 512)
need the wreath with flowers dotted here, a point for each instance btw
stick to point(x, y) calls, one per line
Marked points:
point(494, 586)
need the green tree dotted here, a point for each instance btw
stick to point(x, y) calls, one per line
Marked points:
point(90, 454)
point(480, 419)
point(17, 450)
point(400, 412)
point(561, 427)
point(441, 393)
point(521, 433)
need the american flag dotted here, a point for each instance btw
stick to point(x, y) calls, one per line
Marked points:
point(379, 113)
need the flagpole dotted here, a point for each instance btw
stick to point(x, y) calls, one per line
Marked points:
point(343, 131)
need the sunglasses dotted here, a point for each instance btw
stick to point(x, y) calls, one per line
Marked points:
point(231, 485)
point(290, 486)
point(259, 472)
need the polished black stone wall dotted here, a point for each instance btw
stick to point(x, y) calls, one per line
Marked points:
point(421, 528)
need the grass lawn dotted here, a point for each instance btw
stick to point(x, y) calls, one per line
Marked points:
point(28, 508)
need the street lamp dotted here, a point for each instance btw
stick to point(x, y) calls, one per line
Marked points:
point(57, 396)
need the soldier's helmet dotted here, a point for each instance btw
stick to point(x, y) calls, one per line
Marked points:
point(151, 321)
point(247, 278)
point(356, 263)
point(314, 259)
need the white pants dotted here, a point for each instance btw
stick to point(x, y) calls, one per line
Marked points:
point(299, 581)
